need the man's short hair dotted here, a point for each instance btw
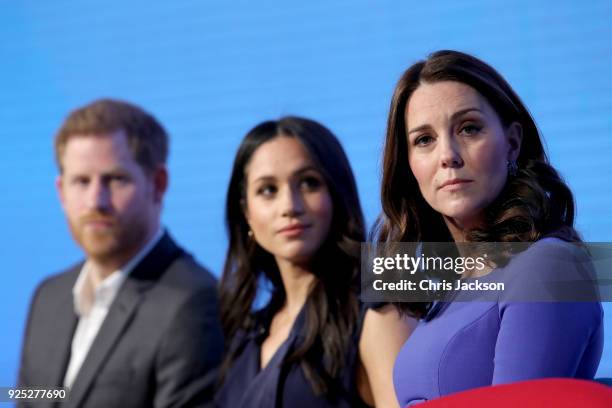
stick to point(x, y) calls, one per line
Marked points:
point(146, 137)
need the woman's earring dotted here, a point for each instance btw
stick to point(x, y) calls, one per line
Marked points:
point(512, 167)
point(250, 233)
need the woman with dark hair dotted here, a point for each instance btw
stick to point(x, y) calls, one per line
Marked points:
point(295, 223)
point(464, 162)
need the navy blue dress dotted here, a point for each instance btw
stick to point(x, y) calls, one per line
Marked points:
point(247, 386)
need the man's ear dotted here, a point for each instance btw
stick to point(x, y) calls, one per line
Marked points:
point(514, 133)
point(60, 189)
point(160, 183)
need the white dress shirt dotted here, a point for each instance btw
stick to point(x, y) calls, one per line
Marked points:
point(91, 304)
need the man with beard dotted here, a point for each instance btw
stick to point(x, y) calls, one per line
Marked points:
point(136, 323)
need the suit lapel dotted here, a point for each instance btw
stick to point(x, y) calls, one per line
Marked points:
point(144, 275)
point(59, 339)
point(110, 332)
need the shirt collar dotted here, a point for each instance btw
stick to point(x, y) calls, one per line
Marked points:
point(85, 295)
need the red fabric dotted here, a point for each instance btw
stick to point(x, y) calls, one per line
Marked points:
point(556, 392)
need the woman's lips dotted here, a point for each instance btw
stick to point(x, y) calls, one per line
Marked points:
point(454, 184)
point(293, 230)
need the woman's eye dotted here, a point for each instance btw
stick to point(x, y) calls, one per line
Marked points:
point(423, 140)
point(311, 183)
point(470, 129)
point(266, 190)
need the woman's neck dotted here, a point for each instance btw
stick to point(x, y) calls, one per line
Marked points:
point(297, 282)
point(459, 228)
point(456, 229)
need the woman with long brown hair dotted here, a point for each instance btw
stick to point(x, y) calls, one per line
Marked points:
point(464, 163)
point(295, 225)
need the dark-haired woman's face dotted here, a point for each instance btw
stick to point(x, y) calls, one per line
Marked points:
point(288, 205)
point(458, 149)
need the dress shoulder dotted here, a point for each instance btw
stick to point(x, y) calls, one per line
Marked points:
point(551, 270)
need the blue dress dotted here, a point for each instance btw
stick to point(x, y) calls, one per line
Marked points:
point(480, 343)
point(247, 386)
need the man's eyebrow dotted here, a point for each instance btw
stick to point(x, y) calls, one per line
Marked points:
point(76, 175)
point(116, 171)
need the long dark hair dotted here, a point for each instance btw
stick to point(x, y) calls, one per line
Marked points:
point(332, 307)
point(533, 203)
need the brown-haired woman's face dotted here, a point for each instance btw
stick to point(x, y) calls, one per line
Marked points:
point(458, 149)
point(288, 205)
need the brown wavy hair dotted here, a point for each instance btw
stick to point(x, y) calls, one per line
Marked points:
point(146, 137)
point(332, 306)
point(534, 203)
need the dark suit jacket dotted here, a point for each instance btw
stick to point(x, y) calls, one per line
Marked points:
point(159, 345)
